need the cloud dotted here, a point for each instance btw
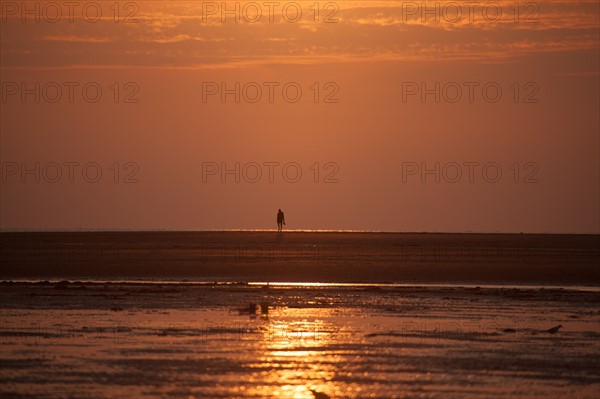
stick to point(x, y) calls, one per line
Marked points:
point(78, 39)
point(177, 34)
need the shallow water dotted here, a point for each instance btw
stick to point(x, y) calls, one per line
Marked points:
point(159, 340)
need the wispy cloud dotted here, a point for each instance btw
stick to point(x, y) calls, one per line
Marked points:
point(79, 39)
point(178, 34)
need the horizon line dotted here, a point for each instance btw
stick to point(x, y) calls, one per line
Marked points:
point(141, 230)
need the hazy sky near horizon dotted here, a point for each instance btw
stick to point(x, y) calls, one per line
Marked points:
point(384, 115)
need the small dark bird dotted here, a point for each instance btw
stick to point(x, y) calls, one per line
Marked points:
point(554, 329)
point(320, 395)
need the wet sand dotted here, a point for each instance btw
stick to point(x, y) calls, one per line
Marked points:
point(110, 340)
point(164, 315)
point(305, 256)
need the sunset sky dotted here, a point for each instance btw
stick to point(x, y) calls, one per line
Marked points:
point(400, 114)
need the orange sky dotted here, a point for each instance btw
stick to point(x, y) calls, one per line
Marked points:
point(545, 124)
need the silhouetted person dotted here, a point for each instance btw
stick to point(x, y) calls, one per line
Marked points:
point(280, 220)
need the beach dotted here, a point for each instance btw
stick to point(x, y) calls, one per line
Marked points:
point(152, 340)
point(298, 315)
point(305, 256)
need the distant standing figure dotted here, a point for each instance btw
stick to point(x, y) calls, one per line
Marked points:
point(280, 220)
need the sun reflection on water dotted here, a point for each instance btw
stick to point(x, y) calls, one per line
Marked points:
point(297, 359)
